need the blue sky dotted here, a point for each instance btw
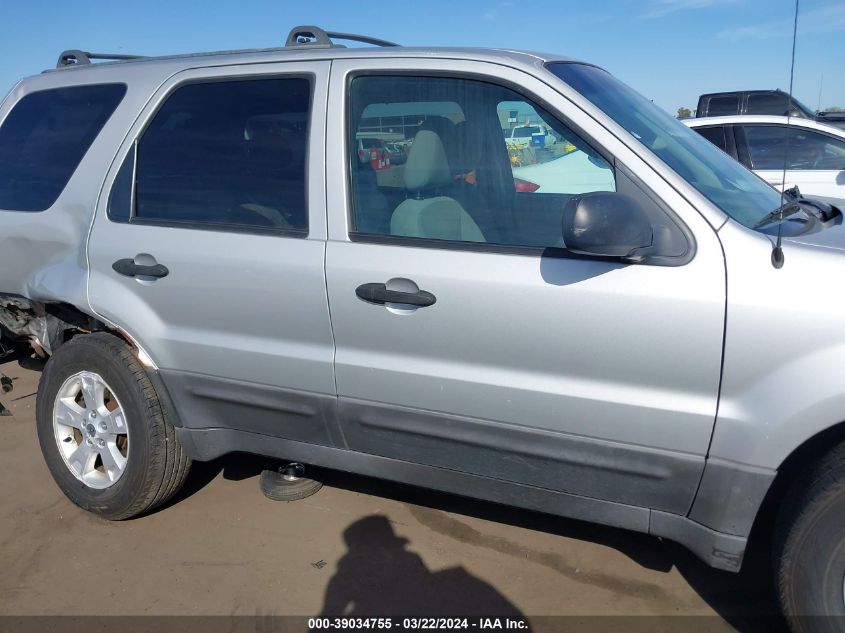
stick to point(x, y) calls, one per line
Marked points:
point(670, 50)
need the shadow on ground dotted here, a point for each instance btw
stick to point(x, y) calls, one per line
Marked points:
point(746, 600)
point(403, 585)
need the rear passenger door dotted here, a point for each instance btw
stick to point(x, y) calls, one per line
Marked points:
point(208, 246)
point(468, 337)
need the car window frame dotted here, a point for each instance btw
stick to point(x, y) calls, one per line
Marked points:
point(485, 247)
point(125, 154)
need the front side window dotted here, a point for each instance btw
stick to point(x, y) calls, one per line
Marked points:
point(548, 157)
point(726, 183)
point(463, 160)
point(776, 147)
point(43, 140)
point(228, 154)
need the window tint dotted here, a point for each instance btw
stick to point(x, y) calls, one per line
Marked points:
point(715, 135)
point(120, 198)
point(43, 140)
point(723, 106)
point(806, 150)
point(775, 104)
point(447, 173)
point(228, 153)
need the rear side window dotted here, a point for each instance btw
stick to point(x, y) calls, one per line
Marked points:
point(43, 140)
point(227, 154)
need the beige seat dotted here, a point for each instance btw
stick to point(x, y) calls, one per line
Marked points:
point(427, 214)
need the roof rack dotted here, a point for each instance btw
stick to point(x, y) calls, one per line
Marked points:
point(299, 37)
point(315, 37)
point(81, 58)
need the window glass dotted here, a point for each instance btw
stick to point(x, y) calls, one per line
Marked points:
point(715, 135)
point(229, 154)
point(549, 157)
point(43, 140)
point(725, 182)
point(429, 161)
point(723, 106)
point(120, 198)
point(775, 104)
point(806, 150)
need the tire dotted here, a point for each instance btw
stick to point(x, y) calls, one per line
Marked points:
point(276, 487)
point(148, 464)
point(810, 548)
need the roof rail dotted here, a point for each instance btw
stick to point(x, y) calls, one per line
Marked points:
point(315, 37)
point(80, 58)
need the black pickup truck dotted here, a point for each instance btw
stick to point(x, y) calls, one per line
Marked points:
point(775, 102)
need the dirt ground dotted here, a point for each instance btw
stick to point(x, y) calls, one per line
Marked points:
point(360, 544)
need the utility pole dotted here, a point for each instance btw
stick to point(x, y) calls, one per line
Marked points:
point(819, 103)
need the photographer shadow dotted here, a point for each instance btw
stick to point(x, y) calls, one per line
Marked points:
point(378, 576)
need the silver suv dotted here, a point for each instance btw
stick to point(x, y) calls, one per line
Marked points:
point(197, 254)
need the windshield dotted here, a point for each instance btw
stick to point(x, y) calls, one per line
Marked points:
point(727, 184)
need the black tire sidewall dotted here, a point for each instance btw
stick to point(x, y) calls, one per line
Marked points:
point(275, 487)
point(812, 577)
point(70, 359)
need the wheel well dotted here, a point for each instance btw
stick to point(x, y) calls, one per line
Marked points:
point(33, 329)
point(791, 472)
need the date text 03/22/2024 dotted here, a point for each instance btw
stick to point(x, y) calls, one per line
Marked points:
point(417, 624)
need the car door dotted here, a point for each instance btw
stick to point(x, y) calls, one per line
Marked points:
point(208, 245)
point(468, 338)
point(814, 161)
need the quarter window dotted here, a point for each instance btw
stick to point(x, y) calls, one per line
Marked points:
point(43, 140)
point(228, 154)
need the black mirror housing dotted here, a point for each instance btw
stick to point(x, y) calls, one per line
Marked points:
point(607, 224)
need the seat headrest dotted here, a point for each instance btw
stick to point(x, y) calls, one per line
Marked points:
point(427, 164)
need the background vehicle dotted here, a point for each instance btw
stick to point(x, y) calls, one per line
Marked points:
point(762, 102)
point(813, 153)
point(385, 147)
point(193, 249)
point(574, 172)
point(530, 135)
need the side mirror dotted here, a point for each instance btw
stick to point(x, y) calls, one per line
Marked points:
point(607, 224)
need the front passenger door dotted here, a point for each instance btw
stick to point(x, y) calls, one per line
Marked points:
point(468, 338)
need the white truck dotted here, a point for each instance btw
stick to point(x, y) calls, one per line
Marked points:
point(522, 136)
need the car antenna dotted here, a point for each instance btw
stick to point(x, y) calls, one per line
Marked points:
point(777, 253)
